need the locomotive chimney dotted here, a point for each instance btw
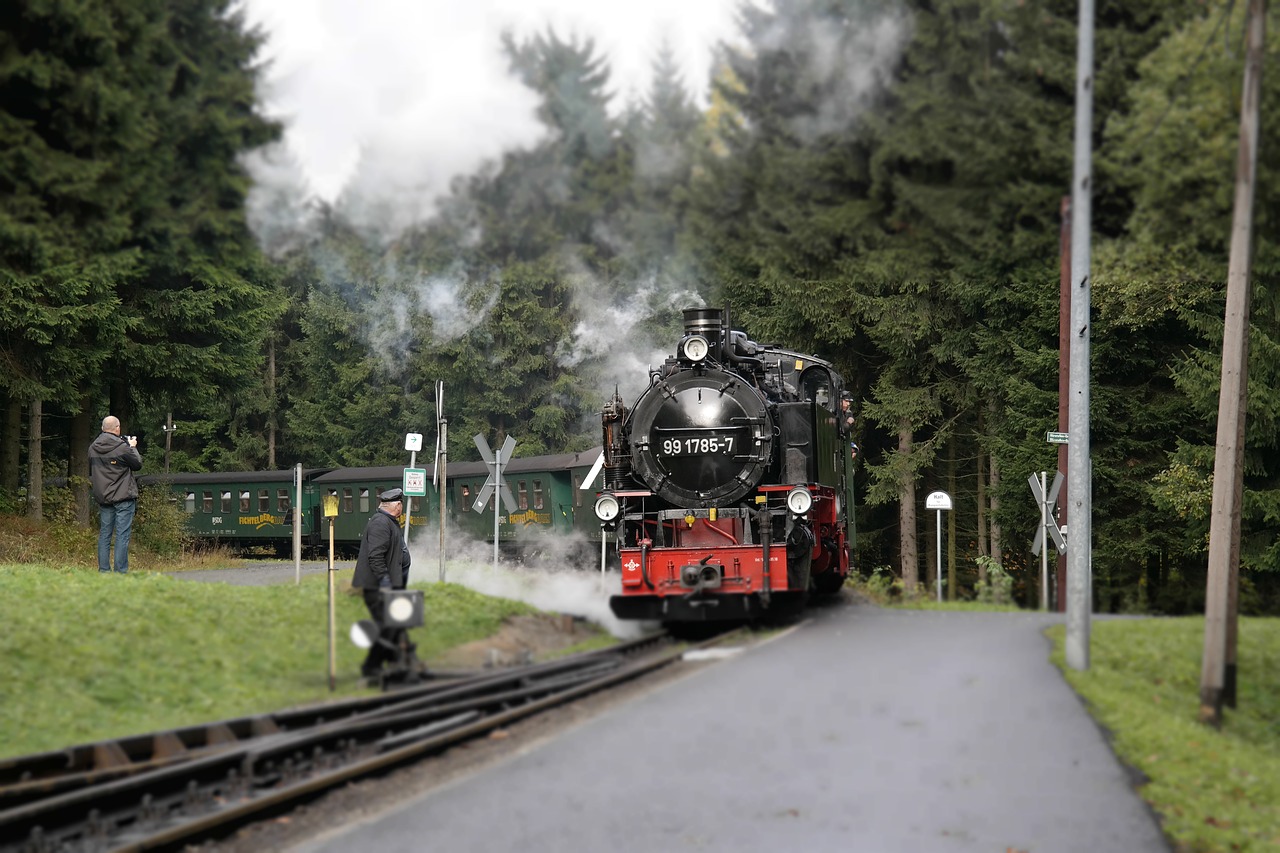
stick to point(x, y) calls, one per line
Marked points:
point(708, 322)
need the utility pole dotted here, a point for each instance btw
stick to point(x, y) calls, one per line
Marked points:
point(1080, 540)
point(1064, 384)
point(168, 439)
point(1218, 669)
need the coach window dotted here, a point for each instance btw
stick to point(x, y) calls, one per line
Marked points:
point(347, 505)
point(523, 493)
point(206, 502)
point(244, 502)
point(364, 500)
point(537, 494)
point(226, 501)
point(466, 495)
point(282, 501)
point(264, 500)
point(191, 502)
point(415, 504)
point(576, 483)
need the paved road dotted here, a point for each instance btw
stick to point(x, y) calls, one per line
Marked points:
point(861, 730)
point(262, 572)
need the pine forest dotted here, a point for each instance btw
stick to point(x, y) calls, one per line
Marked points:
point(879, 183)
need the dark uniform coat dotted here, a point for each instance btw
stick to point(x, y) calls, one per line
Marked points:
point(382, 554)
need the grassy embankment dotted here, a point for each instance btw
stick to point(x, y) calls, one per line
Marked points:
point(1214, 790)
point(88, 656)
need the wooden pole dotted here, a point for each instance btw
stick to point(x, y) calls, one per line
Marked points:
point(1218, 668)
point(333, 644)
point(443, 489)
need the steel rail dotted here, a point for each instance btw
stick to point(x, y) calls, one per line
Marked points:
point(236, 813)
point(386, 725)
point(27, 778)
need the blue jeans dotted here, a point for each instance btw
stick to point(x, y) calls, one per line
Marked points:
point(117, 518)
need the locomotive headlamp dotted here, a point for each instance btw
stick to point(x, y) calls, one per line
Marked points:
point(696, 348)
point(607, 508)
point(799, 500)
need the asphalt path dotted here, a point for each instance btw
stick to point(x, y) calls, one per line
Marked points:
point(860, 730)
point(263, 572)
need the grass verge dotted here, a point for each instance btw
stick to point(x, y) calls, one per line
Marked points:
point(1214, 790)
point(90, 656)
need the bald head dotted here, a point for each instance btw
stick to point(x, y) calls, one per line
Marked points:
point(111, 424)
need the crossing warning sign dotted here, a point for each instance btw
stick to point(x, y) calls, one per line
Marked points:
point(415, 482)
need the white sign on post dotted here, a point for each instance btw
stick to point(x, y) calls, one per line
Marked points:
point(415, 482)
point(939, 501)
point(412, 443)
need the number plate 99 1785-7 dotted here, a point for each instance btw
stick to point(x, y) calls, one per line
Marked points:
point(698, 445)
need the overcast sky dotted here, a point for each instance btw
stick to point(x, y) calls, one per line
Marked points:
point(416, 91)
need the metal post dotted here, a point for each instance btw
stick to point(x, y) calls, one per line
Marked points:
point(1059, 599)
point(443, 490)
point(168, 439)
point(408, 501)
point(333, 645)
point(602, 556)
point(1044, 552)
point(297, 523)
point(938, 583)
point(497, 502)
point(1079, 605)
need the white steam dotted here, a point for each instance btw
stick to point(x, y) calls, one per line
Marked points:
point(849, 64)
point(564, 576)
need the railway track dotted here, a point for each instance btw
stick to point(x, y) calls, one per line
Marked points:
point(169, 788)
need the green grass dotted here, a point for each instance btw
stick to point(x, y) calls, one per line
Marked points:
point(1214, 790)
point(90, 656)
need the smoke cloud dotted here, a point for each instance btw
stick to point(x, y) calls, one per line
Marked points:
point(564, 576)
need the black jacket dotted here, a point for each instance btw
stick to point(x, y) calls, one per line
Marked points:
point(111, 465)
point(382, 554)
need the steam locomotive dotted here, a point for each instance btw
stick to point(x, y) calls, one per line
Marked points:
point(728, 484)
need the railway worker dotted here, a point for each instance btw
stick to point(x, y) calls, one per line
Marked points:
point(112, 461)
point(383, 563)
point(846, 413)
